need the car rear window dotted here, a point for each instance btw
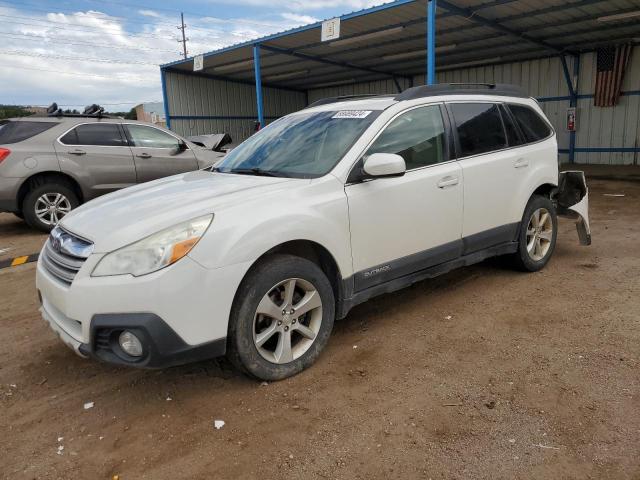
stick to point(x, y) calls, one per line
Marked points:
point(533, 127)
point(14, 132)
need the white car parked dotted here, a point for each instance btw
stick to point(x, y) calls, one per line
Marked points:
point(319, 211)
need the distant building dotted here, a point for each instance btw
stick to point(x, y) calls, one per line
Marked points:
point(36, 110)
point(151, 113)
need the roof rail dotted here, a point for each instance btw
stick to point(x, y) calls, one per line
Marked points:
point(503, 89)
point(325, 101)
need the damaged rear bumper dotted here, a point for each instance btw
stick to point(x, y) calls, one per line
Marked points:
point(572, 201)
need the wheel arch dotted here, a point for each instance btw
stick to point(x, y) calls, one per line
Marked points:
point(546, 189)
point(47, 176)
point(312, 251)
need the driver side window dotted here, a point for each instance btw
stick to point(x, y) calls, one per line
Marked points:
point(418, 136)
point(150, 137)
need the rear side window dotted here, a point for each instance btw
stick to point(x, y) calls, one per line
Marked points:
point(479, 127)
point(533, 127)
point(513, 137)
point(98, 134)
point(14, 132)
point(418, 136)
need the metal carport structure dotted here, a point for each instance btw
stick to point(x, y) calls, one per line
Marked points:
point(407, 42)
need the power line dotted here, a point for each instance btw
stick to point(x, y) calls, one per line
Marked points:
point(80, 28)
point(105, 16)
point(195, 14)
point(81, 59)
point(64, 41)
point(78, 74)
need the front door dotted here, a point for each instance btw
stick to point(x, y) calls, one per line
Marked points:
point(157, 153)
point(405, 224)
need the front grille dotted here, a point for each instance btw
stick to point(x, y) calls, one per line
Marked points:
point(57, 259)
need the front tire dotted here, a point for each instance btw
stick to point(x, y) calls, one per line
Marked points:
point(47, 203)
point(538, 233)
point(281, 319)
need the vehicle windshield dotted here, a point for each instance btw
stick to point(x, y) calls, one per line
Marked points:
point(303, 145)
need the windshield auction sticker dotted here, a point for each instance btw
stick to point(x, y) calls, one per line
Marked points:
point(352, 114)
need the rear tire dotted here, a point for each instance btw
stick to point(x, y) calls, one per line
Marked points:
point(47, 203)
point(281, 319)
point(537, 236)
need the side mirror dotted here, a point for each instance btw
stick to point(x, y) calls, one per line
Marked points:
point(181, 147)
point(384, 165)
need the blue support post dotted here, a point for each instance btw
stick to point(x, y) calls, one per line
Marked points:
point(165, 100)
point(258, 78)
point(573, 96)
point(431, 42)
point(574, 103)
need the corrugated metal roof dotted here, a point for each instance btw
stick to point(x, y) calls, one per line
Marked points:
point(389, 40)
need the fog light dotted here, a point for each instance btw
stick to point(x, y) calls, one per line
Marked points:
point(130, 344)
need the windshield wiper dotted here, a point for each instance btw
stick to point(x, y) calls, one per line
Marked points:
point(253, 171)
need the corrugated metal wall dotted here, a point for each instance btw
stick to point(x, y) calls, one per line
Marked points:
point(598, 128)
point(192, 97)
point(617, 127)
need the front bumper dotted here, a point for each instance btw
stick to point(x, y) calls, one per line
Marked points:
point(162, 347)
point(180, 313)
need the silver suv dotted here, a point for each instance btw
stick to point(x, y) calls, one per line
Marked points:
point(50, 165)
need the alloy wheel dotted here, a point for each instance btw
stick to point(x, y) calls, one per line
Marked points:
point(52, 207)
point(287, 320)
point(539, 234)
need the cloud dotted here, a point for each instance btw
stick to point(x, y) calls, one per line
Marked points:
point(298, 19)
point(149, 13)
point(92, 57)
point(306, 5)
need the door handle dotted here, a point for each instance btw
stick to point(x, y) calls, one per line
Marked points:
point(77, 152)
point(143, 155)
point(521, 162)
point(447, 182)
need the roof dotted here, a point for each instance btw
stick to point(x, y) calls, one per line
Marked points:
point(389, 40)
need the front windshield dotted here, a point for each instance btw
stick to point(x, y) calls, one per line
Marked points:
point(303, 145)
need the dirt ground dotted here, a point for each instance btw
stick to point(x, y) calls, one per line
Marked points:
point(482, 373)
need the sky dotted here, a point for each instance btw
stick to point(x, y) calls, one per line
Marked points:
point(79, 52)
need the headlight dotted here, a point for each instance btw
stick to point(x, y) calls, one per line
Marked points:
point(154, 252)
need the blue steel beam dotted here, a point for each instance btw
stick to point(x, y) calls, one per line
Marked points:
point(252, 83)
point(165, 100)
point(336, 63)
point(431, 42)
point(258, 79)
point(470, 14)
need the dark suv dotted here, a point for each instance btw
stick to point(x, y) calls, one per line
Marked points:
point(50, 165)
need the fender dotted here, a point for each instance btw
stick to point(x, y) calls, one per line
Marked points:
point(317, 212)
point(572, 201)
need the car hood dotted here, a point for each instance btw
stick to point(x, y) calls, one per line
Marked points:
point(126, 216)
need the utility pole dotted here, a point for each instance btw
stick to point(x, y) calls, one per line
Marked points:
point(184, 39)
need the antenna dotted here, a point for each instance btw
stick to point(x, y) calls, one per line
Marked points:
point(182, 27)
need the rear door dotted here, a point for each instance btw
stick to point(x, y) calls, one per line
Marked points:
point(493, 172)
point(97, 155)
point(157, 153)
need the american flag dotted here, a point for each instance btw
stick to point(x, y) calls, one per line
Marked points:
point(612, 62)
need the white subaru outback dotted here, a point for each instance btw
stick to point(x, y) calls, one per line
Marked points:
point(321, 210)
